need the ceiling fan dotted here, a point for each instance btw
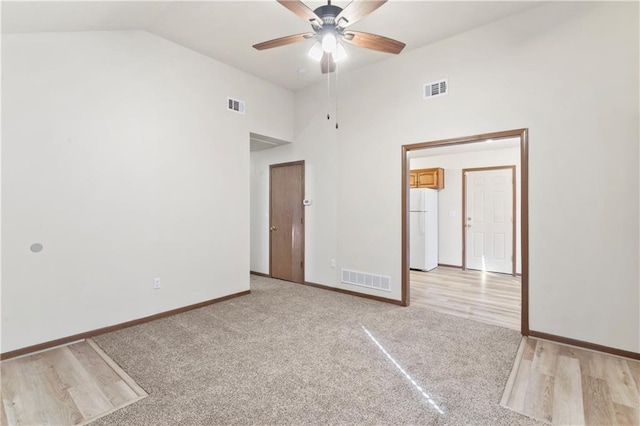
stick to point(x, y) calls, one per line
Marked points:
point(329, 24)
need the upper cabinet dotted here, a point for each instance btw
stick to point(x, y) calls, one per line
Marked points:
point(413, 179)
point(427, 178)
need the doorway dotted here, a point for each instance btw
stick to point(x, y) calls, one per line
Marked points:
point(286, 221)
point(489, 219)
point(521, 135)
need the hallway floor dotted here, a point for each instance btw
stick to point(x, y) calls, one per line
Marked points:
point(481, 296)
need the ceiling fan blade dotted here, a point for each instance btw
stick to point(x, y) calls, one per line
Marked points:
point(301, 9)
point(282, 41)
point(326, 64)
point(374, 42)
point(356, 10)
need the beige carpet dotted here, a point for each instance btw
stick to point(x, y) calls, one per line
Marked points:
point(291, 354)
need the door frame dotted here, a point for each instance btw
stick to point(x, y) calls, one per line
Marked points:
point(513, 213)
point(271, 167)
point(523, 134)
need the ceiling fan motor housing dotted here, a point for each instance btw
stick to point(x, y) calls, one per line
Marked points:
point(328, 13)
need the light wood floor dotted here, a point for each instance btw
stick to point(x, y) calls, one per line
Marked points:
point(565, 385)
point(69, 385)
point(482, 296)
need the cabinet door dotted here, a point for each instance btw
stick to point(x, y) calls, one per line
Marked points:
point(430, 178)
point(413, 180)
point(426, 179)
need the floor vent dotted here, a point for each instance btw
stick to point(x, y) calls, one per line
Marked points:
point(235, 105)
point(379, 282)
point(437, 88)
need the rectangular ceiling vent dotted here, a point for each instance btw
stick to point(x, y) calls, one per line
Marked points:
point(362, 279)
point(235, 105)
point(437, 88)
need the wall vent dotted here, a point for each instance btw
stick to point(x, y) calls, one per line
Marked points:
point(363, 279)
point(235, 105)
point(437, 88)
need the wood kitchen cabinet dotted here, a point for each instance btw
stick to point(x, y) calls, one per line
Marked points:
point(427, 178)
point(413, 179)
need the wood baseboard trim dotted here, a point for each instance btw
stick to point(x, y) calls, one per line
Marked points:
point(354, 293)
point(260, 274)
point(98, 331)
point(583, 344)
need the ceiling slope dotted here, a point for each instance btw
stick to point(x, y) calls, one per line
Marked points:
point(226, 30)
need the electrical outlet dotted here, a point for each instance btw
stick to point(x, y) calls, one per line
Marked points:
point(333, 263)
point(156, 283)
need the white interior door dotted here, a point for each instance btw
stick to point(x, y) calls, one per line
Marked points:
point(489, 220)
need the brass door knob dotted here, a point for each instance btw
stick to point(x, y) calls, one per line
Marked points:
point(273, 228)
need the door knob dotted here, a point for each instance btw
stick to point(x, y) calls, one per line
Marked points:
point(273, 228)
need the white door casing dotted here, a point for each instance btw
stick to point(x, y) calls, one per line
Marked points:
point(489, 219)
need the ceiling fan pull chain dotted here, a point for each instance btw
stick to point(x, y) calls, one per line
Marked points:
point(337, 94)
point(328, 95)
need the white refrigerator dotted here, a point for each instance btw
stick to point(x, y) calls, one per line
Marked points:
point(423, 228)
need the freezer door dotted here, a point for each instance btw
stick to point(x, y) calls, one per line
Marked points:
point(417, 240)
point(430, 199)
point(417, 200)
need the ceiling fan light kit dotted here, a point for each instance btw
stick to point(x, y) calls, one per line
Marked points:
point(329, 42)
point(340, 53)
point(316, 51)
point(329, 45)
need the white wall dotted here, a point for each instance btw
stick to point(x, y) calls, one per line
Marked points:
point(120, 158)
point(321, 185)
point(450, 197)
point(544, 70)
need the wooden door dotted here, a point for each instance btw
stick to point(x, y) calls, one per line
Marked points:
point(489, 219)
point(286, 242)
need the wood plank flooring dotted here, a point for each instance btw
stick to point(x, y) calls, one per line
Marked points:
point(481, 296)
point(565, 385)
point(69, 385)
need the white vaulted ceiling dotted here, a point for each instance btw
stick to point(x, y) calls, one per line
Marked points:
point(226, 30)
